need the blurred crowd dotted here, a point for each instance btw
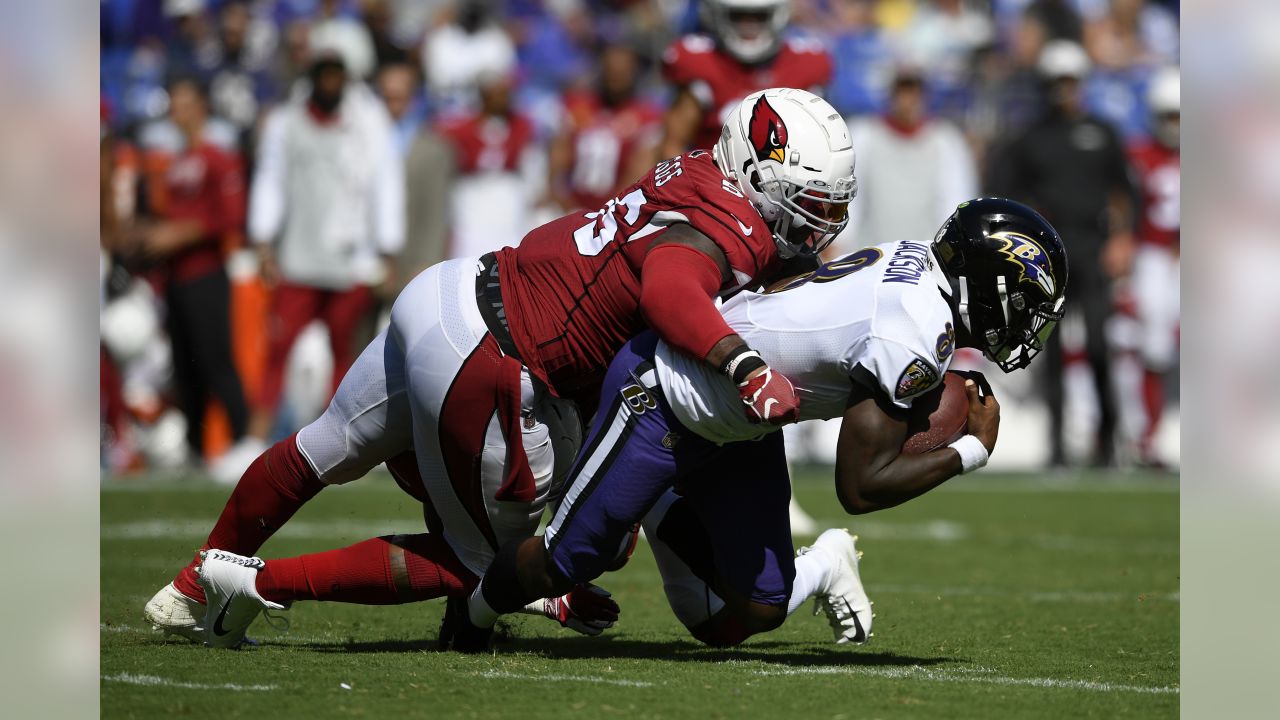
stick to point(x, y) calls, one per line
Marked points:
point(273, 172)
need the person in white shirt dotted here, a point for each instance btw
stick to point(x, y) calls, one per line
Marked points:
point(327, 214)
point(913, 169)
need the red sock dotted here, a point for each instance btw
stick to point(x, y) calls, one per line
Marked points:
point(273, 488)
point(389, 570)
point(1153, 404)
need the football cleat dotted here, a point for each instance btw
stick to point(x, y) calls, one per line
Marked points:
point(173, 613)
point(844, 601)
point(457, 632)
point(229, 583)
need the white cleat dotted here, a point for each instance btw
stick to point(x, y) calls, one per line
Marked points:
point(844, 601)
point(229, 583)
point(173, 613)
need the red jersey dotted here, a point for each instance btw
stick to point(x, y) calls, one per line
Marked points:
point(1159, 177)
point(602, 139)
point(206, 184)
point(572, 287)
point(720, 82)
point(486, 144)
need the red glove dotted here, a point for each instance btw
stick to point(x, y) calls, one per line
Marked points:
point(587, 609)
point(770, 398)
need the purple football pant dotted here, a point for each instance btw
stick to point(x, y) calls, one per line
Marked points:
point(636, 451)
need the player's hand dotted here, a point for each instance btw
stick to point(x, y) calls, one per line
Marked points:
point(769, 398)
point(587, 609)
point(984, 410)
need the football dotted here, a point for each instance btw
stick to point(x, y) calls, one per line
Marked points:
point(938, 418)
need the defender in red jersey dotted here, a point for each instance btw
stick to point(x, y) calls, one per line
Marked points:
point(1153, 287)
point(744, 53)
point(469, 392)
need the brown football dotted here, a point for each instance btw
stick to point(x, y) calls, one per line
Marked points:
point(938, 418)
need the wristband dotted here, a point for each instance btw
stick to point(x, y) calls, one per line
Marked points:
point(742, 363)
point(973, 454)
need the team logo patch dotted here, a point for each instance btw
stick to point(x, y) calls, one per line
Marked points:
point(670, 439)
point(638, 399)
point(768, 133)
point(918, 377)
point(1029, 257)
point(946, 344)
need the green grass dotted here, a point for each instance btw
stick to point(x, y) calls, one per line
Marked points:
point(996, 596)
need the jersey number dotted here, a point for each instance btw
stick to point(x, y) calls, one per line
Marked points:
point(832, 271)
point(595, 235)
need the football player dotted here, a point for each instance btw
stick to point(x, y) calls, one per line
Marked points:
point(862, 337)
point(745, 52)
point(486, 359)
point(607, 137)
point(1154, 281)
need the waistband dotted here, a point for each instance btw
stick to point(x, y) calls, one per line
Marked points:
point(492, 309)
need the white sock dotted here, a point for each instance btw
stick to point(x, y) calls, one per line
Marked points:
point(479, 611)
point(813, 572)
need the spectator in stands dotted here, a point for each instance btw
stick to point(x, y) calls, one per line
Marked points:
point(494, 190)
point(200, 203)
point(942, 37)
point(912, 169)
point(326, 212)
point(1072, 167)
point(348, 35)
point(1133, 32)
point(862, 56)
point(397, 85)
point(455, 55)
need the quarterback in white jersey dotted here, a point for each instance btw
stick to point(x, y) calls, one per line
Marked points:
point(893, 331)
point(860, 338)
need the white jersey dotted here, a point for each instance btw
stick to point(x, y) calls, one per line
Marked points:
point(873, 316)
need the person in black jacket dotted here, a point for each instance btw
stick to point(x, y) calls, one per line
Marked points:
point(1071, 166)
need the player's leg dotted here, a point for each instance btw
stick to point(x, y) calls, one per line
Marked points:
point(366, 423)
point(1155, 289)
point(632, 455)
point(725, 553)
point(292, 307)
point(342, 312)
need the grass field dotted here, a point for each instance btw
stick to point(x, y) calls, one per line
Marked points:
point(996, 597)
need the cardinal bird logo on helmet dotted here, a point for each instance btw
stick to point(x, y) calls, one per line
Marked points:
point(768, 132)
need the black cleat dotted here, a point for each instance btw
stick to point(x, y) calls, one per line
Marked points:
point(457, 632)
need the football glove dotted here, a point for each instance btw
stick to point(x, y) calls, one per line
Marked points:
point(587, 609)
point(770, 398)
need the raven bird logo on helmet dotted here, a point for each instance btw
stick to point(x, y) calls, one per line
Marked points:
point(1032, 261)
point(768, 132)
point(1007, 271)
point(789, 153)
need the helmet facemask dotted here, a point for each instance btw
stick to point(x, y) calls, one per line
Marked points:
point(805, 218)
point(1008, 327)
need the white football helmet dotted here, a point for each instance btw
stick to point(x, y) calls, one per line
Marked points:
point(1164, 103)
point(789, 152)
point(750, 30)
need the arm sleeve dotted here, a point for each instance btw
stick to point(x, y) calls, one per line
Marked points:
point(677, 284)
point(267, 193)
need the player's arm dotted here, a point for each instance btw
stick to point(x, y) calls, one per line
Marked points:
point(681, 275)
point(872, 472)
point(680, 124)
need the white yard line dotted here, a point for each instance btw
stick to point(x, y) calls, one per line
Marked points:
point(505, 675)
point(156, 681)
point(978, 676)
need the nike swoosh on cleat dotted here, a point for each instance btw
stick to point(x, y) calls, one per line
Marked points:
point(861, 635)
point(217, 624)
